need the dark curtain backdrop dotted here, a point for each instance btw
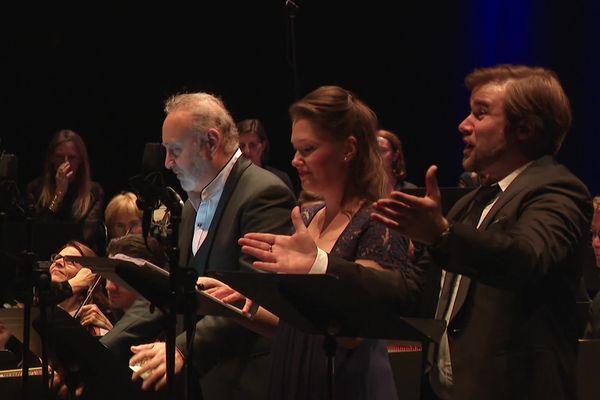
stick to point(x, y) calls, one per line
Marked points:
point(105, 70)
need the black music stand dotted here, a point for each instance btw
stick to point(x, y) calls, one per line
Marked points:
point(87, 361)
point(153, 284)
point(326, 305)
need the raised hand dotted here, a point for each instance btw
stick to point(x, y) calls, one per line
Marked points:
point(84, 279)
point(64, 176)
point(281, 253)
point(419, 218)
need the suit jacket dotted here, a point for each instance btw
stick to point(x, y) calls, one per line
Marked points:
point(138, 325)
point(233, 361)
point(513, 330)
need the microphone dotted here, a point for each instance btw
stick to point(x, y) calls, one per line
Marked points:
point(152, 191)
point(149, 185)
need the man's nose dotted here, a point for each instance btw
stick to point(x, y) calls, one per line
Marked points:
point(465, 126)
point(168, 161)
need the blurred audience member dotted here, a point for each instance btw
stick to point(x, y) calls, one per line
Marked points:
point(390, 149)
point(468, 179)
point(65, 191)
point(254, 144)
point(122, 216)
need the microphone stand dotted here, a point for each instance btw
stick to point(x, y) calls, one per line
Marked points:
point(151, 192)
point(292, 8)
point(183, 290)
point(182, 284)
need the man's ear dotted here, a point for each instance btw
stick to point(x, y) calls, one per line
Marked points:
point(525, 131)
point(213, 139)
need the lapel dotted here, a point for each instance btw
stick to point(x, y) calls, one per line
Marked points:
point(186, 233)
point(521, 182)
point(200, 260)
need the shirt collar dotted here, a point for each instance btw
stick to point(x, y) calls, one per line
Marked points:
point(508, 179)
point(218, 183)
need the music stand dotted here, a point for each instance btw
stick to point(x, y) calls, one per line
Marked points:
point(327, 305)
point(153, 284)
point(87, 361)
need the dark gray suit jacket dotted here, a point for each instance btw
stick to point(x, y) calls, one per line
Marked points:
point(513, 331)
point(233, 361)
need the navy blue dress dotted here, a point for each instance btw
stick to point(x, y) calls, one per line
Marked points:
point(299, 364)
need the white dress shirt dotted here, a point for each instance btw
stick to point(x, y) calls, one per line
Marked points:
point(209, 199)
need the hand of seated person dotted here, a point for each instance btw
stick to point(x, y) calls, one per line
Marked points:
point(84, 279)
point(91, 316)
point(152, 361)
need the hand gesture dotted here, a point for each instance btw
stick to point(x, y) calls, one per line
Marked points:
point(419, 218)
point(281, 253)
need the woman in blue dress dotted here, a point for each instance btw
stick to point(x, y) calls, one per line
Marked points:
point(337, 158)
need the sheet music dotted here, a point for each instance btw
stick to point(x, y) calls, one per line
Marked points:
point(208, 310)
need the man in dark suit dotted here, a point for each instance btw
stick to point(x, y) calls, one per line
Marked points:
point(228, 197)
point(512, 261)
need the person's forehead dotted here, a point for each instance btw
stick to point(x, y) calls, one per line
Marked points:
point(176, 128)
point(66, 147)
point(70, 251)
point(488, 93)
point(249, 137)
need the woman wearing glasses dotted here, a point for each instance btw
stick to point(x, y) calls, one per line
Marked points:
point(81, 281)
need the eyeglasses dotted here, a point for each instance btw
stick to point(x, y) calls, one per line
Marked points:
point(54, 258)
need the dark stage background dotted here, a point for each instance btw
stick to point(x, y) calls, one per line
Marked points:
point(105, 70)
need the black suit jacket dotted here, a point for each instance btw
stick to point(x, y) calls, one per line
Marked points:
point(513, 331)
point(233, 361)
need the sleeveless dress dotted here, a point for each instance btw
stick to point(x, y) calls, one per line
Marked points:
point(299, 363)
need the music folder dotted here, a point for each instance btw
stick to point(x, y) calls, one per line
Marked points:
point(152, 282)
point(325, 304)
